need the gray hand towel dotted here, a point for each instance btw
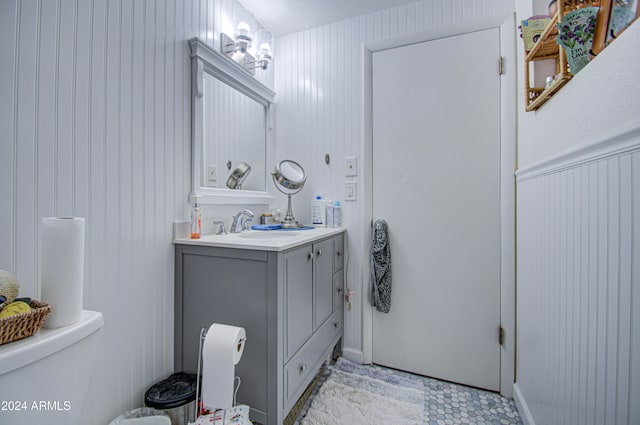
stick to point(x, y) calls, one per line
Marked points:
point(380, 292)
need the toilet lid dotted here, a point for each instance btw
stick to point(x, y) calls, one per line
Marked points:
point(175, 391)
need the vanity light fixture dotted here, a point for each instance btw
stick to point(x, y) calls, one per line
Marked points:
point(264, 39)
point(239, 50)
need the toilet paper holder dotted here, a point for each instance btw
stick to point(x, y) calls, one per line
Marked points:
point(199, 408)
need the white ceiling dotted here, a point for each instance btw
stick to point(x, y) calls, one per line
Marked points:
point(288, 16)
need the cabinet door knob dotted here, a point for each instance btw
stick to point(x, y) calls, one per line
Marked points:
point(310, 256)
point(336, 325)
point(303, 368)
point(339, 253)
point(319, 253)
point(339, 290)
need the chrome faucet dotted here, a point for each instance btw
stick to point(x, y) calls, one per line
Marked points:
point(240, 221)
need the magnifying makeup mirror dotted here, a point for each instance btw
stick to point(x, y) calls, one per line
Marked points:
point(238, 175)
point(291, 176)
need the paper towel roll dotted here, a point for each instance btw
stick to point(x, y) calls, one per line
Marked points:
point(62, 269)
point(221, 351)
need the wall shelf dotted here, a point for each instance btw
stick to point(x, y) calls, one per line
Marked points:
point(545, 48)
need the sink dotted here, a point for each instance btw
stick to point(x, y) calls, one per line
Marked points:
point(268, 234)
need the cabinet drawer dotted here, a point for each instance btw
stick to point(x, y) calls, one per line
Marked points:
point(299, 371)
point(338, 253)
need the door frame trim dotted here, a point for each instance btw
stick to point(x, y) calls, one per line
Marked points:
point(508, 159)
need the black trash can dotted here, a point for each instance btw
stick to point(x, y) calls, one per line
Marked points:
point(176, 396)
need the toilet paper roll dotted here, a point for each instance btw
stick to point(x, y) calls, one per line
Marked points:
point(62, 269)
point(222, 349)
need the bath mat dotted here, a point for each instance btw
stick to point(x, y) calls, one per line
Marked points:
point(356, 396)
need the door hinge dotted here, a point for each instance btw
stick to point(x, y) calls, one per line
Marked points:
point(500, 335)
point(501, 65)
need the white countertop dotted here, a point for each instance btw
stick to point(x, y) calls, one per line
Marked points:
point(263, 240)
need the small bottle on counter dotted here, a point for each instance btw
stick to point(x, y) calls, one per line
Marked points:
point(337, 214)
point(196, 223)
point(329, 213)
point(318, 212)
point(266, 218)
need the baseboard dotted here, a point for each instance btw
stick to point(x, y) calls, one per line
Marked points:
point(355, 356)
point(521, 404)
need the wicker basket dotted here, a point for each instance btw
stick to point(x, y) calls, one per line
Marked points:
point(24, 324)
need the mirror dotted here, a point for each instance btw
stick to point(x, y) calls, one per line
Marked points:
point(230, 129)
point(234, 134)
point(291, 176)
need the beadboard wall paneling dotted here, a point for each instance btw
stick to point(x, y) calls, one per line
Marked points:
point(319, 85)
point(95, 119)
point(578, 300)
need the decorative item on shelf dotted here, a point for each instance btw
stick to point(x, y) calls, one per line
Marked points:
point(9, 288)
point(622, 14)
point(25, 323)
point(553, 7)
point(575, 35)
point(549, 81)
point(242, 49)
point(532, 29)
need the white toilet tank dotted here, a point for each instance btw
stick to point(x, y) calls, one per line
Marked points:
point(44, 379)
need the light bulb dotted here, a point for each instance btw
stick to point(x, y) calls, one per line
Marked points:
point(243, 37)
point(243, 29)
point(265, 49)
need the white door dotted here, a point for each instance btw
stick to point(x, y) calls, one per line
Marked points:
point(436, 180)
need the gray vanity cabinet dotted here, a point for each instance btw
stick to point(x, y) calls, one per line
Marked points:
point(309, 292)
point(298, 282)
point(289, 302)
point(323, 288)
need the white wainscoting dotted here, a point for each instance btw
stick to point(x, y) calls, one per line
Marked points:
point(578, 300)
point(95, 122)
point(319, 84)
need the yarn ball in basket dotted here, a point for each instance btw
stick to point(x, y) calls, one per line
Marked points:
point(9, 286)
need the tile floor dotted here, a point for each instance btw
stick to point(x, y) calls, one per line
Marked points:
point(453, 404)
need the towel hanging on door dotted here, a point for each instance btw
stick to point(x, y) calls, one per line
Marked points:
point(380, 289)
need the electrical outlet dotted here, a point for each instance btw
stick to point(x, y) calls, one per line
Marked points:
point(212, 173)
point(350, 189)
point(351, 166)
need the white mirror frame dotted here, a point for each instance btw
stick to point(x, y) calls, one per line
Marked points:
point(205, 59)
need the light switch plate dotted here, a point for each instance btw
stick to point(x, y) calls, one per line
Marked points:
point(350, 166)
point(350, 191)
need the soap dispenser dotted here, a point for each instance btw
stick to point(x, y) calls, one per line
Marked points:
point(196, 224)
